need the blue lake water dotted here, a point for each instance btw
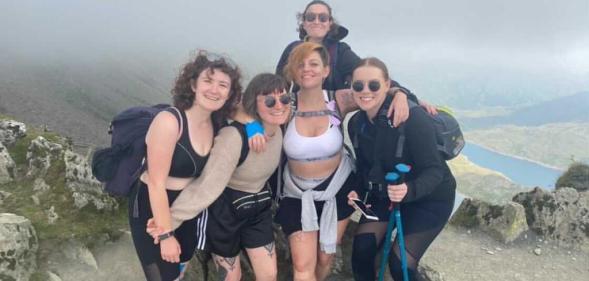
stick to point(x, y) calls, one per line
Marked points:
point(520, 171)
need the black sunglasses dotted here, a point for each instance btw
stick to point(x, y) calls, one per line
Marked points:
point(270, 100)
point(310, 17)
point(373, 85)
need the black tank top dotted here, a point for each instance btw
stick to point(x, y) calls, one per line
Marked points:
point(186, 163)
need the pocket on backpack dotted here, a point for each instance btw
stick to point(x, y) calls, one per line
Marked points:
point(247, 205)
point(104, 164)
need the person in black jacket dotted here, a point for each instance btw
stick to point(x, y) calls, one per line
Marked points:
point(317, 24)
point(427, 193)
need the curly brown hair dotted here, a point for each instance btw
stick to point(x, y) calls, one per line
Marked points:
point(183, 96)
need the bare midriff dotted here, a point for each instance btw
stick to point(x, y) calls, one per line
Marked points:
point(172, 183)
point(316, 169)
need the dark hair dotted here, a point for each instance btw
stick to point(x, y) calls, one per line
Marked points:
point(299, 53)
point(261, 84)
point(301, 18)
point(372, 61)
point(182, 93)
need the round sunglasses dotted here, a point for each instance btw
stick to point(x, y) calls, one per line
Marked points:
point(310, 17)
point(358, 85)
point(270, 100)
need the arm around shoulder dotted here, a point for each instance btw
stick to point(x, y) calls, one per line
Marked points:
point(204, 190)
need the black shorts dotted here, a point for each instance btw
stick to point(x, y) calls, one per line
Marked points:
point(288, 215)
point(187, 233)
point(228, 231)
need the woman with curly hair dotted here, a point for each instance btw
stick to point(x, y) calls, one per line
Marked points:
point(178, 144)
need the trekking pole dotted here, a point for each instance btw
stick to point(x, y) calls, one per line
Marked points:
point(395, 218)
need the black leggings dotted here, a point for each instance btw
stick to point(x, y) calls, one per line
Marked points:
point(154, 267)
point(422, 222)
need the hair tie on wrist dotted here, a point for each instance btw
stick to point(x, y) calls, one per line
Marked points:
point(253, 128)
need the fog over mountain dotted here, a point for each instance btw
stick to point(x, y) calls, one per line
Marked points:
point(463, 53)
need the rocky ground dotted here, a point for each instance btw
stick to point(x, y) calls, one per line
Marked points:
point(461, 254)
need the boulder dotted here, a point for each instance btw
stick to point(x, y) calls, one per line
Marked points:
point(503, 222)
point(86, 190)
point(41, 154)
point(18, 247)
point(11, 131)
point(577, 177)
point(561, 215)
point(71, 260)
point(7, 166)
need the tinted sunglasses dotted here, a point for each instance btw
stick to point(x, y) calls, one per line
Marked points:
point(373, 85)
point(270, 100)
point(310, 17)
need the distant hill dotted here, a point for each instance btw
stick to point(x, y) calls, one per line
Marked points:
point(554, 144)
point(573, 108)
point(78, 99)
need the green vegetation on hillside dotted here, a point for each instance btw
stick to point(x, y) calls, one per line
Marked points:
point(85, 225)
point(557, 144)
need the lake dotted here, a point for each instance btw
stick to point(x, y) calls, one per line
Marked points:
point(520, 171)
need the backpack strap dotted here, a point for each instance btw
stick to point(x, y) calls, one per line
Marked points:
point(244, 143)
point(179, 117)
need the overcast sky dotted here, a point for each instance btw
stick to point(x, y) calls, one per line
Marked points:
point(527, 35)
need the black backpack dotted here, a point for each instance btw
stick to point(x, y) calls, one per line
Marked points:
point(449, 137)
point(119, 165)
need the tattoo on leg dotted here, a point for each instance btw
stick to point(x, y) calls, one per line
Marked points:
point(269, 248)
point(223, 272)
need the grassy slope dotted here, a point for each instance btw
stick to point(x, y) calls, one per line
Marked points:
point(86, 225)
point(553, 144)
point(478, 182)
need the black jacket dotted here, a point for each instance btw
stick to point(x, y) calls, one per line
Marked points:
point(429, 179)
point(345, 61)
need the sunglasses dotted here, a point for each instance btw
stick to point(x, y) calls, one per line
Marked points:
point(270, 100)
point(310, 17)
point(373, 85)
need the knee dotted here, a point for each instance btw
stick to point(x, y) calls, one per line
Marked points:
point(325, 260)
point(364, 246)
point(303, 270)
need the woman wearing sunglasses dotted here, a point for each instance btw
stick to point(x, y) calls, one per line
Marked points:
point(317, 24)
point(240, 205)
point(313, 210)
point(427, 192)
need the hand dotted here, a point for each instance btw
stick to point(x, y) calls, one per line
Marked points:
point(397, 192)
point(170, 250)
point(400, 108)
point(345, 101)
point(257, 143)
point(153, 230)
point(428, 107)
point(352, 195)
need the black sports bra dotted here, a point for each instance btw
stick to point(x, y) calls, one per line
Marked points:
point(186, 163)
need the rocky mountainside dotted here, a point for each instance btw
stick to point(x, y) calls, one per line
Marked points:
point(56, 224)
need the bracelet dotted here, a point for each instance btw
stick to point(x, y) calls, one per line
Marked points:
point(253, 128)
point(165, 236)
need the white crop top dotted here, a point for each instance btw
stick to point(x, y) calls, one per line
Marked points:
point(324, 146)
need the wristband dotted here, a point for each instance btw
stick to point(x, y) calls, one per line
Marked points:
point(253, 128)
point(165, 236)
